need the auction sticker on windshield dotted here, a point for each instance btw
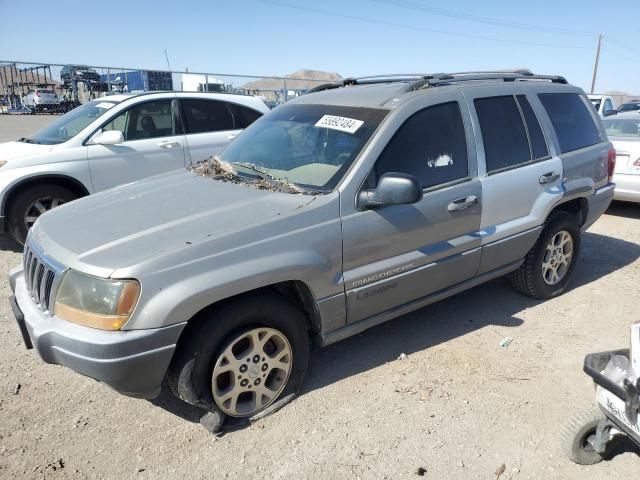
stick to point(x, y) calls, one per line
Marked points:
point(343, 124)
point(104, 105)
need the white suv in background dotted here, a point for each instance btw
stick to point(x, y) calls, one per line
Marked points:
point(38, 99)
point(111, 141)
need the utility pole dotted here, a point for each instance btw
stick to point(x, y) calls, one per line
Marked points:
point(595, 67)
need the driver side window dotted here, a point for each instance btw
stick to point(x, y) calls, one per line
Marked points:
point(147, 120)
point(119, 123)
point(431, 145)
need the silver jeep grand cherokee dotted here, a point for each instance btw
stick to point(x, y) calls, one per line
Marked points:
point(340, 210)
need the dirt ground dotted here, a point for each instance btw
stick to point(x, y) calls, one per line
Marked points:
point(459, 405)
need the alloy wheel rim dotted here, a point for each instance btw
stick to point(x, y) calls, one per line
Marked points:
point(557, 258)
point(38, 207)
point(251, 372)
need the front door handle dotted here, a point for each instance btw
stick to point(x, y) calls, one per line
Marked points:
point(231, 136)
point(549, 177)
point(169, 144)
point(462, 203)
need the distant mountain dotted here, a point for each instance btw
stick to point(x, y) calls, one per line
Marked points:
point(310, 79)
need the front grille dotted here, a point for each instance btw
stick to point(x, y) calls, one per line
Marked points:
point(42, 276)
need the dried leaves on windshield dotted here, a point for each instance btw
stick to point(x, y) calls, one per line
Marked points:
point(218, 169)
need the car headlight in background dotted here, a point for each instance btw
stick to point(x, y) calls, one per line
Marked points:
point(95, 302)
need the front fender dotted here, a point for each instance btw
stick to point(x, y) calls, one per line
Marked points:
point(182, 300)
point(11, 179)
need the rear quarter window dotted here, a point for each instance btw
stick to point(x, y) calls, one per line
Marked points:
point(574, 125)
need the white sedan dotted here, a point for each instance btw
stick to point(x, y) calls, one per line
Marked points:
point(624, 132)
point(114, 140)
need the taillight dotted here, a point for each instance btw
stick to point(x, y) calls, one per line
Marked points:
point(37, 94)
point(637, 163)
point(612, 163)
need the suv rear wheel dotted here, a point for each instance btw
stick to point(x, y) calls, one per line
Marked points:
point(549, 265)
point(30, 203)
point(243, 357)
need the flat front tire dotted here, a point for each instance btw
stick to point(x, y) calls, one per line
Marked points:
point(243, 356)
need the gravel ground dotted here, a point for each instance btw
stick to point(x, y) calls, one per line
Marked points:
point(458, 405)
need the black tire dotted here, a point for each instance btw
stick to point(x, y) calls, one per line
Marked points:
point(576, 433)
point(528, 279)
point(24, 199)
point(190, 374)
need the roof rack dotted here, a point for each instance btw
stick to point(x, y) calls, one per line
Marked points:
point(422, 80)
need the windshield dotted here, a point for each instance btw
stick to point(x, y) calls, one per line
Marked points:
point(309, 145)
point(628, 107)
point(70, 124)
point(622, 127)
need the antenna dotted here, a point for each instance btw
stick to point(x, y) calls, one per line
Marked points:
point(167, 57)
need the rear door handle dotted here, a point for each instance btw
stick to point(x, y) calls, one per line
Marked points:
point(231, 136)
point(462, 203)
point(548, 177)
point(169, 144)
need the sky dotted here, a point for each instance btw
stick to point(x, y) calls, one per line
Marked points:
point(350, 37)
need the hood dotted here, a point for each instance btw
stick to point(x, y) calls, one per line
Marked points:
point(127, 225)
point(9, 150)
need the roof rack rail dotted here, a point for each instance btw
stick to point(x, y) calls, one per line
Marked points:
point(419, 80)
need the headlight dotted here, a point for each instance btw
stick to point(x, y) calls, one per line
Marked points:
point(95, 302)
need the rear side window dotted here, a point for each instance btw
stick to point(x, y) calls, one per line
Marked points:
point(571, 120)
point(431, 145)
point(243, 116)
point(538, 143)
point(206, 116)
point(503, 132)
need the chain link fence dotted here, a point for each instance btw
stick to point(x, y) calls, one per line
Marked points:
point(30, 88)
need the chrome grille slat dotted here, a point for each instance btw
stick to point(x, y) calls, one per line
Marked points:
point(46, 289)
point(32, 271)
point(42, 275)
point(39, 273)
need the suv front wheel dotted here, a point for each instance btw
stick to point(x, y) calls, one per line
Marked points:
point(549, 265)
point(243, 356)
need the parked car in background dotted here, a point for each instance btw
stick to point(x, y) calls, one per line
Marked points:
point(81, 73)
point(114, 140)
point(603, 104)
point(624, 132)
point(335, 212)
point(41, 99)
point(629, 106)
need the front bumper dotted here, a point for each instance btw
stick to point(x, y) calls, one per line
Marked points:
point(133, 362)
point(627, 187)
point(598, 204)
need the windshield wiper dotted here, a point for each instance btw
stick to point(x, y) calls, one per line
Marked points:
point(26, 140)
point(281, 185)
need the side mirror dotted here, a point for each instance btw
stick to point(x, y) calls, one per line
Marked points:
point(608, 113)
point(393, 189)
point(109, 137)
